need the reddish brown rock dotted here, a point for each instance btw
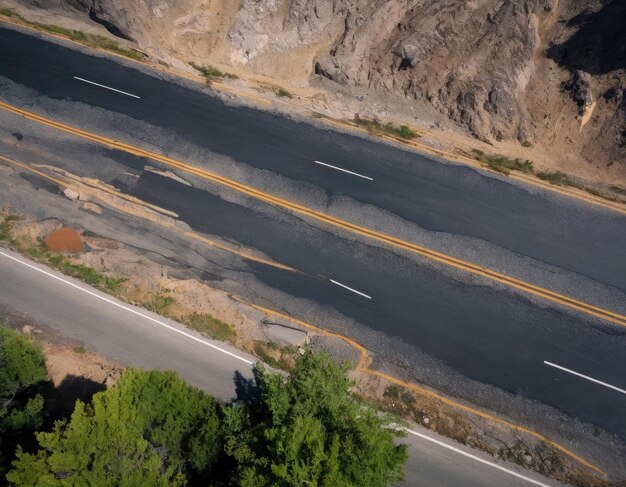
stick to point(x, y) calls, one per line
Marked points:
point(65, 240)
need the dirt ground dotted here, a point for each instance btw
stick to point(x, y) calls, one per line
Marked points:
point(65, 362)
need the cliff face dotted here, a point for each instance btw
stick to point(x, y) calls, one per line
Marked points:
point(545, 72)
point(469, 59)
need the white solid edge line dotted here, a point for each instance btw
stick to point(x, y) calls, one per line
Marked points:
point(350, 289)
point(165, 325)
point(415, 433)
point(344, 170)
point(478, 459)
point(104, 86)
point(584, 377)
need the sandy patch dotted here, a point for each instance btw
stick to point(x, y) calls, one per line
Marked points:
point(65, 240)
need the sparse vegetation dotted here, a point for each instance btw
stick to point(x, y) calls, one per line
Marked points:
point(283, 93)
point(400, 394)
point(503, 164)
point(211, 73)
point(79, 349)
point(60, 262)
point(375, 127)
point(5, 227)
point(7, 12)
point(594, 192)
point(403, 131)
point(559, 178)
point(92, 40)
point(80, 271)
point(556, 177)
point(274, 355)
point(75, 35)
point(159, 303)
point(205, 323)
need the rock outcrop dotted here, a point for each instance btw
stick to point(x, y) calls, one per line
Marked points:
point(547, 72)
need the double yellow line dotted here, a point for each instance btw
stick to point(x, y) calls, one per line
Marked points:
point(134, 201)
point(364, 360)
point(298, 209)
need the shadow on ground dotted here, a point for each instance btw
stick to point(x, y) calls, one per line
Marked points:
point(59, 404)
point(599, 44)
point(246, 389)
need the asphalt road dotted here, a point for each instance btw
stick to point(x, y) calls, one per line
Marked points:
point(130, 336)
point(490, 335)
point(438, 197)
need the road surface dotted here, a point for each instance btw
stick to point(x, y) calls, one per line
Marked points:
point(485, 333)
point(438, 197)
point(134, 336)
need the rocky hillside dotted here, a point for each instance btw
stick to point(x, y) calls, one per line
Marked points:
point(546, 73)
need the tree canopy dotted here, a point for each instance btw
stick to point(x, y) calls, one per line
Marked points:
point(22, 367)
point(150, 429)
point(153, 429)
point(308, 430)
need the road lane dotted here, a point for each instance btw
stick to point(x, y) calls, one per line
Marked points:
point(490, 336)
point(439, 197)
point(268, 197)
point(133, 340)
point(486, 334)
point(115, 332)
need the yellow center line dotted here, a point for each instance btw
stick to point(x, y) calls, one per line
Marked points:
point(33, 170)
point(207, 241)
point(364, 358)
point(241, 253)
point(299, 209)
point(422, 148)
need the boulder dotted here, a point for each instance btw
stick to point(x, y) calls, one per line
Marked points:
point(285, 335)
point(71, 194)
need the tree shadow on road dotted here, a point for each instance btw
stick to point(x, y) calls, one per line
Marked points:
point(246, 389)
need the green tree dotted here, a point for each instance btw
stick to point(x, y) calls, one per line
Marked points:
point(151, 428)
point(308, 430)
point(22, 367)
